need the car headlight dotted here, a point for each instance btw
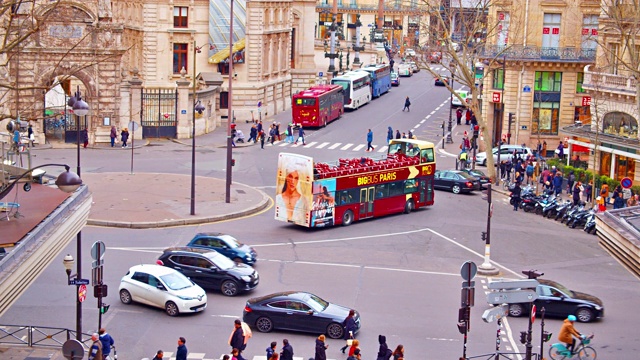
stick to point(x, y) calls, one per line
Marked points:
point(597, 307)
point(182, 297)
point(248, 256)
point(245, 278)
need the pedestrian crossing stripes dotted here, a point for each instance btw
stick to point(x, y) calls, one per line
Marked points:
point(201, 356)
point(335, 146)
point(322, 145)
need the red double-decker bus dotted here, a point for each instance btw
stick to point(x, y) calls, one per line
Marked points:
point(325, 194)
point(318, 105)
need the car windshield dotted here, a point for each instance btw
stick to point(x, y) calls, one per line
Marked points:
point(231, 241)
point(317, 303)
point(564, 289)
point(176, 281)
point(220, 260)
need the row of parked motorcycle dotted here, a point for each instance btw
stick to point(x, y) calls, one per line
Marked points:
point(554, 207)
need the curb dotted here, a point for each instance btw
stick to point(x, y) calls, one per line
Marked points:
point(263, 204)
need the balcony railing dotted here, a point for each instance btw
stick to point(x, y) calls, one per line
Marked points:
point(369, 7)
point(601, 81)
point(537, 53)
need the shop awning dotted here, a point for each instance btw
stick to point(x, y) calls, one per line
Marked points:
point(224, 53)
point(579, 148)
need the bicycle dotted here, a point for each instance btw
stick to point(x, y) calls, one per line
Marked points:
point(559, 351)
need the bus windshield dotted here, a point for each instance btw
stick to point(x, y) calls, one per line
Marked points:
point(344, 83)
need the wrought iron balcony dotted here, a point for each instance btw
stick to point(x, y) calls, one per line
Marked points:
point(602, 80)
point(537, 53)
point(368, 7)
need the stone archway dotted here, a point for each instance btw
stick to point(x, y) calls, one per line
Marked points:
point(72, 42)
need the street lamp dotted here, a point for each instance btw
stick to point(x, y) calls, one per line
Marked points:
point(67, 181)
point(196, 50)
point(227, 196)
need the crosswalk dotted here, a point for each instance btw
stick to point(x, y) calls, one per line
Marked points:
point(329, 146)
point(201, 356)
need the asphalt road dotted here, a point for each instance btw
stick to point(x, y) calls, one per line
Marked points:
point(401, 272)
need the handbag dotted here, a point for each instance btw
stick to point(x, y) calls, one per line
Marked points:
point(349, 342)
point(611, 200)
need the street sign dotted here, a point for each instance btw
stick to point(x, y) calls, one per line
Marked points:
point(468, 284)
point(533, 314)
point(626, 183)
point(467, 296)
point(97, 250)
point(495, 313)
point(82, 293)
point(511, 297)
point(79, 282)
point(183, 112)
point(506, 284)
point(468, 270)
point(320, 74)
point(526, 89)
point(133, 126)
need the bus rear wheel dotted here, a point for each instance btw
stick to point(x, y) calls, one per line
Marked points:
point(347, 218)
point(408, 206)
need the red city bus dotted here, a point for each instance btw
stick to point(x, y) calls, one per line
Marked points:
point(318, 105)
point(323, 194)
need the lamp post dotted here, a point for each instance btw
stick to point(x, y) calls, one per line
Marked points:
point(357, 47)
point(196, 50)
point(227, 196)
point(80, 109)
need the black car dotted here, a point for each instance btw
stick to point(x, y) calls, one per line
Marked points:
point(455, 180)
point(226, 245)
point(210, 269)
point(297, 311)
point(559, 301)
point(441, 80)
point(484, 179)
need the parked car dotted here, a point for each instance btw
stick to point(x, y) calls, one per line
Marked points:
point(226, 245)
point(405, 70)
point(414, 67)
point(409, 52)
point(484, 179)
point(506, 153)
point(464, 94)
point(162, 287)
point(395, 79)
point(558, 301)
point(435, 57)
point(456, 181)
point(297, 311)
point(211, 270)
point(441, 80)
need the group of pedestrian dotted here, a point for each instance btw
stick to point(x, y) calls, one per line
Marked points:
point(101, 347)
point(124, 137)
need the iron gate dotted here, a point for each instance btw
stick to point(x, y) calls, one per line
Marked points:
point(159, 113)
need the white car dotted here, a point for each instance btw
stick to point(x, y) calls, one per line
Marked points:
point(506, 153)
point(162, 287)
point(405, 70)
point(409, 52)
point(455, 101)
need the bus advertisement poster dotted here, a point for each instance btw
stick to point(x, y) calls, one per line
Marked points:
point(322, 211)
point(293, 188)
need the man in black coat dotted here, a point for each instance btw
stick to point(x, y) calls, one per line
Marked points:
point(237, 338)
point(287, 351)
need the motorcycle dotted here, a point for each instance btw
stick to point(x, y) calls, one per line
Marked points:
point(590, 224)
point(549, 206)
point(540, 203)
point(561, 209)
point(567, 215)
point(581, 218)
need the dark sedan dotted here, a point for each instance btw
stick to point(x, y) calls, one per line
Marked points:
point(297, 311)
point(484, 179)
point(441, 81)
point(559, 301)
point(455, 180)
point(226, 245)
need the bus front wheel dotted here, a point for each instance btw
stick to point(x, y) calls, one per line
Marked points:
point(408, 206)
point(347, 218)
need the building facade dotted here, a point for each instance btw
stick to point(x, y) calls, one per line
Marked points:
point(534, 68)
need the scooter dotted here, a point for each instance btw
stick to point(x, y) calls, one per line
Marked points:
point(561, 209)
point(549, 206)
point(567, 216)
point(540, 203)
point(590, 225)
point(581, 218)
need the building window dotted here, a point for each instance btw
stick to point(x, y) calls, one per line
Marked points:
point(579, 88)
point(498, 79)
point(180, 17)
point(546, 117)
point(589, 32)
point(223, 67)
point(551, 31)
point(614, 59)
point(224, 100)
point(503, 29)
point(179, 57)
point(548, 81)
point(620, 124)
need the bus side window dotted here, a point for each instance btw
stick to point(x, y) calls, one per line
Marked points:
point(410, 186)
point(396, 188)
point(381, 191)
point(427, 155)
point(345, 197)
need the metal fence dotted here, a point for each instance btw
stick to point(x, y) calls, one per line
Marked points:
point(159, 113)
point(500, 355)
point(41, 336)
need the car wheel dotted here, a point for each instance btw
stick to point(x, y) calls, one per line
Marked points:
point(516, 310)
point(347, 218)
point(229, 288)
point(171, 308)
point(335, 331)
point(584, 315)
point(456, 189)
point(408, 206)
point(264, 324)
point(125, 297)
point(484, 163)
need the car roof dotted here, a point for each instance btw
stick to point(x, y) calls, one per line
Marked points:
point(188, 249)
point(210, 234)
point(298, 295)
point(153, 269)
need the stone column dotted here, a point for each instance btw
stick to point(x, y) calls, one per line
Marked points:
point(135, 107)
point(184, 124)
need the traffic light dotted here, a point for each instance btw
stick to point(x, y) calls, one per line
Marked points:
point(476, 131)
point(532, 274)
point(462, 327)
point(546, 336)
point(523, 337)
point(483, 235)
point(100, 291)
point(104, 308)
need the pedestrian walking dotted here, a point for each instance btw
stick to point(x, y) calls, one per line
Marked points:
point(407, 104)
point(389, 134)
point(277, 126)
point(113, 135)
point(273, 133)
point(107, 342)
point(618, 201)
point(467, 117)
point(560, 150)
point(181, 353)
point(571, 179)
point(271, 349)
point(300, 135)
point(557, 183)
point(287, 350)
point(30, 135)
point(384, 353)
point(515, 195)
point(253, 134)
point(237, 340)
point(349, 325)
point(95, 351)
point(355, 347)
point(124, 135)
point(398, 353)
point(458, 116)
point(369, 140)
point(576, 193)
point(355, 356)
point(410, 135)
point(85, 138)
point(321, 349)
point(261, 135)
point(398, 135)
point(159, 355)
point(588, 191)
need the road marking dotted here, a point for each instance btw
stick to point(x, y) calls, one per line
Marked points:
point(334, 146)
point(322, 145)
point(225, 316)
point(441, 339)
point(358, 147)
point(422, 122)
point(311, 144)
point(284, 144)
point(418, 125)
point(431, 113)
point(383, 149)
point(346, 147)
